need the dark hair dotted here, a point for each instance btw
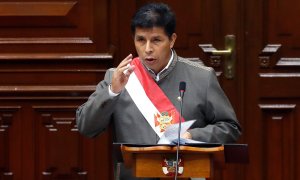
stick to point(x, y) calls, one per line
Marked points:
point(154, 15)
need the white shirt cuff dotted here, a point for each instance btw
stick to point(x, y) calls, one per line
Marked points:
point(112, 94)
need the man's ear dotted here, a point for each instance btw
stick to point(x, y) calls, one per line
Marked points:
point(173, 39)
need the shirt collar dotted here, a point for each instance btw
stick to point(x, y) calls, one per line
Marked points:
point(156, 77)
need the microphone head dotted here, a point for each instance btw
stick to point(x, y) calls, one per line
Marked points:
point(182, 86)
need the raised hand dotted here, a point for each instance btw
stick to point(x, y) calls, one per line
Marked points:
point(121, 74)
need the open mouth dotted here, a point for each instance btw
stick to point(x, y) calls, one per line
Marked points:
point(149, 60)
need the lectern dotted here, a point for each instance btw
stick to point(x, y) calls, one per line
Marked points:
point(159, 161)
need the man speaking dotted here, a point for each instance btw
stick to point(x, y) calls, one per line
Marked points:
point(140, 96)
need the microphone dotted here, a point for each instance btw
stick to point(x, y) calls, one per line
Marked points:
point(182, 87)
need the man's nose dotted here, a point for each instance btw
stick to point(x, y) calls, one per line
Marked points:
point(149, 48)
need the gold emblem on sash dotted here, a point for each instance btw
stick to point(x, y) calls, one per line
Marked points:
point(164, 120)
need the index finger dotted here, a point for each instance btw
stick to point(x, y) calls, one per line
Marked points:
point(125, 61)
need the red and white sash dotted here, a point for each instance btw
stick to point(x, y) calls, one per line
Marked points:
point(155, 106)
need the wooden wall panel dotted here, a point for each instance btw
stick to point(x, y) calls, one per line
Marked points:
point(58, 145)
point(51, 52)
point(60, 26)
point(52, 55)
point(10, 142)
point(278, 140)
point(48, 68)
point(272, 76)
point(281, 29)
point(49, 88)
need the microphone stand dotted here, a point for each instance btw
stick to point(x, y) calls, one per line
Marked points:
point(179, 131)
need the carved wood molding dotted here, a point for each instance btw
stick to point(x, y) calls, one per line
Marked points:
point(275, 108)
point(56, 56)
point(6, 116)
point(36, 8)
point(46, 92)
point(43, 70)
point(288, 62)
point(207, 48)
point(52, 108)
point(47, 66)
point(47, 40)
point(215, 60)
point(50, 121)
point(5, 121)
point(267, 53)
point(24, 89)
point(280, 75)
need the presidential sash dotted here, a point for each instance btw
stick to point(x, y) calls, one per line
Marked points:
point(151, 101)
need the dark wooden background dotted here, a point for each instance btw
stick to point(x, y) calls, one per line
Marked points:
point(53, 53)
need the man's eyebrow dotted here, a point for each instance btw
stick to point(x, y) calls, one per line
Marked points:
point(157, 36)
point(139, 36)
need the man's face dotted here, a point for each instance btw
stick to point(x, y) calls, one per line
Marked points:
point(153, 47)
